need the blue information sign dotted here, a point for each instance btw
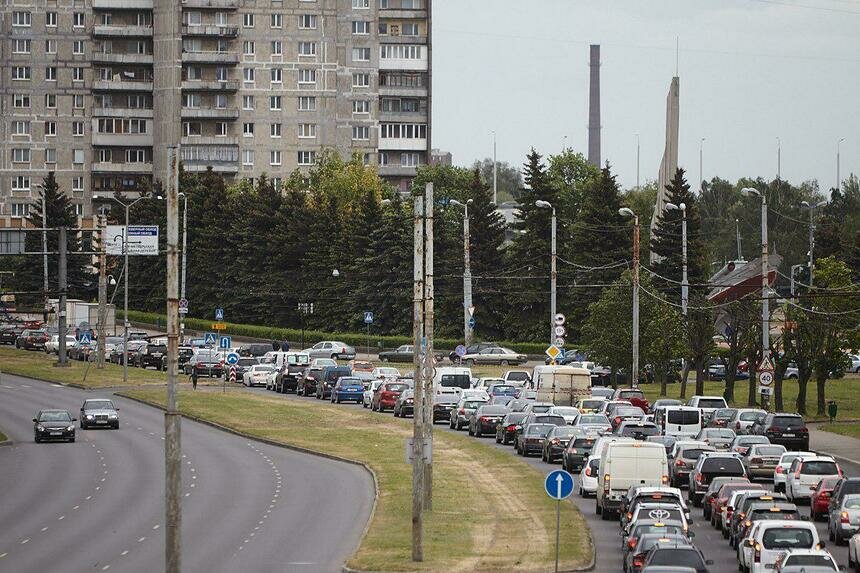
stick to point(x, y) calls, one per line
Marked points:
point(558, 484)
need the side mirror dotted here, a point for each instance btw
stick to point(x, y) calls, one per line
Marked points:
point(117, 409)
point(691, 534)
point(74, 419)
point(822, 544)
point(35, 420)
point(709, 562)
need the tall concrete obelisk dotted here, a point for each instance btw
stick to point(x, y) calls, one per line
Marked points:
point(669, 164)
point(594, 106)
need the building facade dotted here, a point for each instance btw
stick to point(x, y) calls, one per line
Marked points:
point(266, 85)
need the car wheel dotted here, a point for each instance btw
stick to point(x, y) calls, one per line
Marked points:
point(597, 509)
point(36, 437)
point(383, 359)
point(498, 439)
point(503, 363)
point(477, 433)
point(334, 356)
point(71, 440)
point(470, 362)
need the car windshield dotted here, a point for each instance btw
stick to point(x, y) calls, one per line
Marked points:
point(787, 421)
point(99, 405)
point(55, 417)
point(593, 419)
point(819, 468)
point(768, 450)
point(682, 417)
point(851, 502)
point(677, 558)
point(503, 390)
point(815, 560)
point(565, 411)
point(786, 537)
point(538, 429)
point(748, 416)
point(712, 403)
point(396, 387)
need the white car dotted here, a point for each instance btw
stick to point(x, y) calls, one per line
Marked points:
point(53, 344)
point(475, 394)
point(707, 404)
point(743, 419)
point(801, 560)
point(258, 375)
point(805, 473)
point(502, 356)
point(386, 373)
point(854, 552)
point(588, 477)
point(487, 382)
point(726, 515)
point(781, 470)
point(569, 413)
point(770, 539)
point(367, 397)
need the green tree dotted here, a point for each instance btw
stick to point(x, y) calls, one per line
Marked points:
point(611, 347)
point(738, 326)
point(509, 180)
point(663, 337)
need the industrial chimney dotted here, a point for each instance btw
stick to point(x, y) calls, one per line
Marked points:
point(594, 107)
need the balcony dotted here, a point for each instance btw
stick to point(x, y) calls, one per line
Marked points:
point(403, 144)
point(210, 85)
point(213, 31)
point(123, 4)
point(402, 14)
point(111, 167)
point(211, 57)
point(122, 31)
point(410, 91)
point(404, 64)
point(395, 170)
point(197, 166)
point(202, 140)
point(210, 113)
point(120, 84)
point(123, 139)
point(102, 58)
point(122, 112)
point(211, 4)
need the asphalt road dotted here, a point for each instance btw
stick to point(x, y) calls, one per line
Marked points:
point(97, 504)
point(606, 533)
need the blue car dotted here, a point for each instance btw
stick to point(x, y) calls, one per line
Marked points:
point(347, 389)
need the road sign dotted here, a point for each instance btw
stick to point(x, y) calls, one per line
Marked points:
point(233, 374)
point(141, 240)
point(766, 364)
point(219, 314)
point(85, 338)
point(560, 331)
point(472, 322)
point(553, 351)
point(219, 326)
point(558, 484)
point(368, 317)
point(183, 306)
point(209, 339)
point(410, 450)
point(559, 319)
point(559, 342)
point(232, 358)
point(224, 343)
point(471, 310)
point(460, 350)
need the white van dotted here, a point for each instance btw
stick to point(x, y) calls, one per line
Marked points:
point(679, 421)
point(626, 465)
point(563, 385)
point(452, 379)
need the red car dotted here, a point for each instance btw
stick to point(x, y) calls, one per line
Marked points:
point(819, 502)
point(633, 395)
point(386, 396)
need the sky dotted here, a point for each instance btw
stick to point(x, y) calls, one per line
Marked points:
point(751, 71)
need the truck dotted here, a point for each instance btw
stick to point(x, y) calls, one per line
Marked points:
point(291, 368)
point(562, 385)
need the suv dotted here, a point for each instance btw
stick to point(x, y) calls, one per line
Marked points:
point(206, 362)
point(707, 468)
point(788, 430)
point(255, 350)
point(153, 355)
point(686, 456)
point(9, 334)
point(328, 380)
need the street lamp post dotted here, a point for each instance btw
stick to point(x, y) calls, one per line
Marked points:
point(495, 174)
point(701, 153)
point(794, 269)
point(765, 302)
point(467, 273)
point(812, 208)
point(838, 174)
point(634, 374)
point(685, 285)
point(552, 271)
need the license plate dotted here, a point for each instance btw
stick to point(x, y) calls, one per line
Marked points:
point(788, 435)
point(101, 421)
point(56, 433)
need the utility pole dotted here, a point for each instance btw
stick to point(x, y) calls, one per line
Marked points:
point(495, 175)
point(62, 269)
point(467, 273)
point(100, 356)
point(765, 301)
point(45, 252)
point(184, 253)
point(172, 430)
point(429, 366)
point(812, 207)
point(418, 396)
point(634, 374)
point(552, 268)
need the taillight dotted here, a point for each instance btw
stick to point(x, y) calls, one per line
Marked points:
point(729, 512)
point(664, 480)
point(462, 411)
point(737, 425)
point(679, 463)
point(843, 517)
point(779, 470)
point(699, 478)
point(588, 471)
point(803, 430)
point(639, 560)
point(757, 556)
point(606, 483)
point(511, 428)
point(483, 418)
point(631, 543)
point(617, 420)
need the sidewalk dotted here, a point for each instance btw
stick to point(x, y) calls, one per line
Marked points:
point(839, 446)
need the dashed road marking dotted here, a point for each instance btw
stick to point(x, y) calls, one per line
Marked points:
point(25, 541)
point(124, 553)
point(141, 540)
point(44, 529)
point(61, 518)
point(156, 526)
point(106, 567)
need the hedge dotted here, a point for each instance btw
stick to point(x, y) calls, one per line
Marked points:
point(359, 341)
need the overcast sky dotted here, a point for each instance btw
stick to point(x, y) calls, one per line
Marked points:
point(751, 71)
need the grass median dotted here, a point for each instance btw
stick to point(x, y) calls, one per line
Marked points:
point(490, 512)
point(846, 429)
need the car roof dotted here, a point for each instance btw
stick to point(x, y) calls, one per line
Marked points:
point(46, 410)
point(785, 524)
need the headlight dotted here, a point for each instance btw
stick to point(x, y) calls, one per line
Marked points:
point(40, 427)
point(112, 416)
point(70, 429)
point(89, 416)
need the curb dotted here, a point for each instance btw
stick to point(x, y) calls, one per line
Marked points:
point(299, 449)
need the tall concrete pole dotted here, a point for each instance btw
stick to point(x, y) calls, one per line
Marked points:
point(125, 301)
point(553, 277)
point(634, 378)
point(495, 173)
point(417, 366)
point(45, 252)
point(467, 272)
point(62, 267)
point(184, 253)
point(172, 429)
point(100, 356)
point(685, 285)
point(427, 378)
point(765, 301)
point(594, 105)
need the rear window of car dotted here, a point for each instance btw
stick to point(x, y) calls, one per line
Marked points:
point(712, 403)
point(593, 419)
point(677, 558)
point(493, 410)
point(455, 381)
point(643, 430)
point(540, 408)
point(396, 387)
point(682, 417)
point(584, 443)
point(819, 468)
point(628, 411)
point(660, 529)
point(503, 390)
point(152, 348)
point(787, 538)
point(555, 420)
point(721, 465)
point(813, 560)
point(693, 453)
point(718, 433)
point(768, 450)
point(628, 394)
point(591, 404)
point(518, 376)
point(538, 429)
point(748, 416)
point(787, 421)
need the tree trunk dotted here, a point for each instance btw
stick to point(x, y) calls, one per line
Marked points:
point(729, 390)
point(685, 371)
point(802, 381)
point(820, 382)
point(661, 377)
point(751, 391)
point(777, 390)
point(614, 376)
point(700, 373)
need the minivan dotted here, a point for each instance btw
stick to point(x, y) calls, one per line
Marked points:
point(628, 464)
point(679, 421)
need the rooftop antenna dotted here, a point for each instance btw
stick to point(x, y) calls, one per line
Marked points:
point(738, 235)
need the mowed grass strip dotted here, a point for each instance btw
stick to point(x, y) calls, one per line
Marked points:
point(490, 512)
point(848, 429)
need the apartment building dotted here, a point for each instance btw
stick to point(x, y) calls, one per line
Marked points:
point(85, 90)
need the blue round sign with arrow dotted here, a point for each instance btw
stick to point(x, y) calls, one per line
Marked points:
point(232, 359)
point(558, 484)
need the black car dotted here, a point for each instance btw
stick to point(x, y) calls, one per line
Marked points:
point(556, 441)
point(531, 438)
point(442, 406)
point(307, 385)
point(576, 453)
point(152, 355)
point(292, 372)
point(329, 378)
point(785, 429)
point(485, 418)
point(254, 350)
point(54, 425)
point(31, 340)
point(506, 430)
point(677, 555)
point(99, 413)
point(405, 404)
point(9, 334)
point(536, 418)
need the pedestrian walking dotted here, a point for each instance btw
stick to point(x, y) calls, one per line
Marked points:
point(194, 379)
point(285, 346)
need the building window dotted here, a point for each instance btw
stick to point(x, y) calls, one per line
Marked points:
point(247, 20)
point(105, 155)
point(360, 28)
point(78, 20)
point(412, 4)
point(21, 46)
point(307, 22)
point(360, 4)
point(275, 130)
point(78, 48)
point(361, 106)
point(409, 29)
point(361, 54)
point(274, 103)
point(276, 21)
point(360, 80)
point(50, 129)
point(20, 183)
point(50, 46)
point(192, 100)
point(50, 74)
point(20, 155)
point(79, 209)
point(194, 73)
point(21, 101)
point(51, 101)
point(403, 131)
point(21, 73)
point(77, 74)
point(78, 101)
point(383, 29)
point(221, 101)
point(248, 129)
point(221, 129)
point(78, 128)
point(277, 183)
point(50, 155)
point(21, 19)
point(248, 157)
point(193, 18)
point(221, 74)
point(275, 75)
point(77, 184)
point(360, 133)
point(135, 156)
point(192, 129)
point(248, 75)
point(307, 48)
point(221, 19)
point(307, 76)
point(78, 156)
point(247, 102)
point(277, 48)
point(400, 52)
point(307, 130)
point(20, 128)
point(274, 157)
point(307, 157)
point(50, 19)
point(307, 103)
point(249, 48)
point(409, 159)
point(20, 209)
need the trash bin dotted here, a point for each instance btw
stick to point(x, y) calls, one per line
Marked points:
point(832, 408)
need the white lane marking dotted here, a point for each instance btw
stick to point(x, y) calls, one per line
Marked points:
point(89, 497)
point(141, 540)
point(187, 494)
point(124, 553)
point(76, 507)
point(106, 567)
point(61, 518)
point(2, 555)
point(24, 386)
point(57, 385)
point(44, 529)
point(25, 541)
point(156, 526)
